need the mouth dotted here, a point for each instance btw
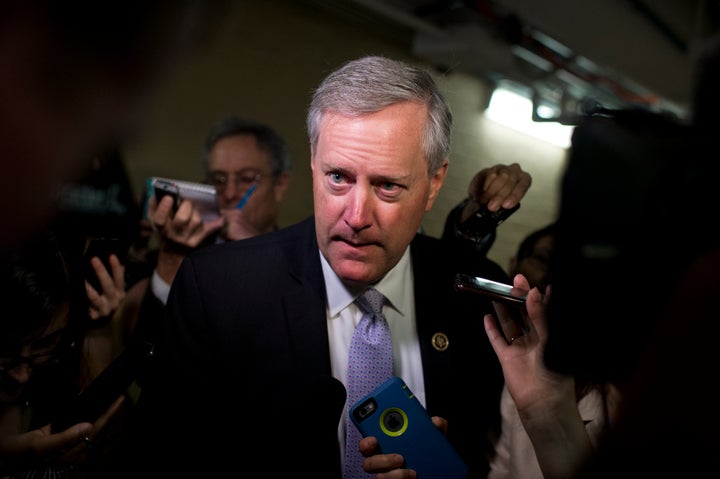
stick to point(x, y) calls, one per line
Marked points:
point(356, 242)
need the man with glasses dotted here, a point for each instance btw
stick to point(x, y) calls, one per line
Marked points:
point(243, 157)
point(249, 164)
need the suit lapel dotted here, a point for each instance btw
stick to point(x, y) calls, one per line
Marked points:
point(305, 305)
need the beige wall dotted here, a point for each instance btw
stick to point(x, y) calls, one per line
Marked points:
point(264, 63)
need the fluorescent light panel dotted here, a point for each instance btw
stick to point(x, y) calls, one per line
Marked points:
point(514, 110)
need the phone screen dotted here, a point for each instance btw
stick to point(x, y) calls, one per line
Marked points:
point(102, 248)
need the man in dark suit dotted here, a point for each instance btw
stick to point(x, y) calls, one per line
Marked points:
point(251, 367)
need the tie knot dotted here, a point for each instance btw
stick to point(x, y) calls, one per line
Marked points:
point(371, 301)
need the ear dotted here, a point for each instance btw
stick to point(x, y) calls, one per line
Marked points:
point(281, 185)
point(436, 182)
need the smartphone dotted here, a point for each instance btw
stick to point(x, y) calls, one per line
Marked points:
point(102, 247)
point(201, 195)
point(483, 222)
point(493, 290)
point(401, 425)
point(109, 385)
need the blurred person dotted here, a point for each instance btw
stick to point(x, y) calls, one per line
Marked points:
point(659, 344)
point(41, 358)
point(257, 331)
point(98, 222)
point(534, 256)
point(239, 155)
point(77, 76)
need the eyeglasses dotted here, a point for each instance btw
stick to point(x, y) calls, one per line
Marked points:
point(242, 181)
point(47, 352)
point(35, 361)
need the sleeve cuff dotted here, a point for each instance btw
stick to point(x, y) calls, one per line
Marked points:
point(160, 288)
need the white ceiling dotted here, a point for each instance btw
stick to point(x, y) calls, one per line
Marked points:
point(614, 52)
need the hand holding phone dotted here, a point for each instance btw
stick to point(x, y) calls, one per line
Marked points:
point(395, 417)
point(506, 295)
point(162, 187)
point(202, 196)
point(101, 248)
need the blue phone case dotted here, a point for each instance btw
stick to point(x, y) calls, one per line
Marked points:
point(401, 425)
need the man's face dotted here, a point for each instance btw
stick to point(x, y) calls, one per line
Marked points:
point(240, 163)
point(371, 189)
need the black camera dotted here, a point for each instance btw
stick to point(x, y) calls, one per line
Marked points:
point(484, 222)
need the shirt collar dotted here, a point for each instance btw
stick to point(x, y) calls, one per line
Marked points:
point(391, 285)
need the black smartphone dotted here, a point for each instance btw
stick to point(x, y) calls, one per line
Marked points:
point(483, 222)
point(493, 290)
point(401, 425)
point(102, 247)
point(109, 385)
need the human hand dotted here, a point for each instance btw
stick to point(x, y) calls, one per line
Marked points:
point(105, 302)
point(185, 227)
point(40, 447)
point(390, 466)
point(531, 384)
point(179, 233)
point(499, 186)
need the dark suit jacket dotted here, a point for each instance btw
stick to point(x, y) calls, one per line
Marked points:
point(244, 359)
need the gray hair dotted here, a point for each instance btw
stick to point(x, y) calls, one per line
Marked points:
point(268, 139)
point(371, 83)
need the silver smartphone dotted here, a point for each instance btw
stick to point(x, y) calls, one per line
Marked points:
point(202, 196)
point(493, 290)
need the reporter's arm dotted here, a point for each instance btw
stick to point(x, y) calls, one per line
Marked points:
point(546, 401)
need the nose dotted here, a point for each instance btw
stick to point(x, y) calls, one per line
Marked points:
point(21, 373)
point(359, 209)
point(230, 193)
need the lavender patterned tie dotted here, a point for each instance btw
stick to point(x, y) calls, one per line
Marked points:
point(369, 365)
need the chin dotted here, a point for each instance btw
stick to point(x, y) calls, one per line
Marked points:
point(355, 272)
